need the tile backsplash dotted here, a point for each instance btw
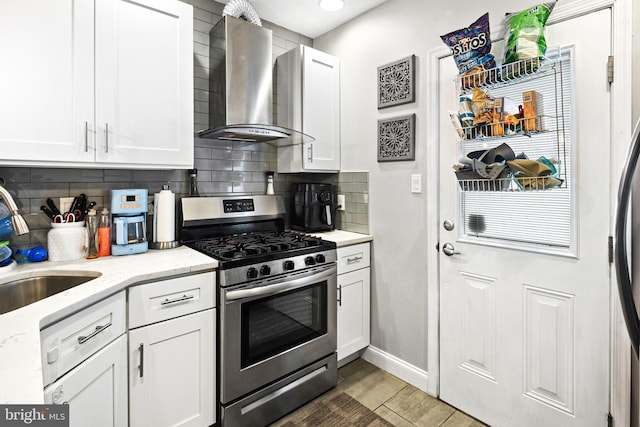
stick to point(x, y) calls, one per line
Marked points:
point(223, 167)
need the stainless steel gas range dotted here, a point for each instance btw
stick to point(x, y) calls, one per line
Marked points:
point(277, 306)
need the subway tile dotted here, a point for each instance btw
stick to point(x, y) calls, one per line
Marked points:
point(202, 26)
point(201, 49)
point(202, 153)
point(10, 175)
point(147, 175)
point(175, 175)
point(249, 187)
point(228, 176)
point(201, 60)
point(201, 84)
point(219, 145)
point(201, 107)
point(360, 198)
point(214, 165)
point(65, 175)
point(38, 190)
point(201, 72)
point(250, 166)
point(201, 95)
point(211, 188)
point(202, 15)
point(118, 175)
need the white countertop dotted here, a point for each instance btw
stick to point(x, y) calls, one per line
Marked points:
point(20, 364)
point(344, 238)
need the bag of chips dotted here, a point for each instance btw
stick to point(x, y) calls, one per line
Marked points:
point(525, 33)
point(471, 48)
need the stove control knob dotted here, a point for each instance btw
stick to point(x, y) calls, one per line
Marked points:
point(309, 261)
point(320, 258)
point(289, 265)
point(252, 273)
point(265, 270)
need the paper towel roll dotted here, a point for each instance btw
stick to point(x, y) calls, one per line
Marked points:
point(164, 217)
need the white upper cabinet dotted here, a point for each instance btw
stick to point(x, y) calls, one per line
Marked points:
point(104, 83)
point(308, 97)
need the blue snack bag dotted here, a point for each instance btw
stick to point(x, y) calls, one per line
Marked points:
point(471, 49)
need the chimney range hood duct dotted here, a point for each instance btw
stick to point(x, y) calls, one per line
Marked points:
point(240, 86)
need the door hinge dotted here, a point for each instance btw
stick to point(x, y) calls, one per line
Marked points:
point(610, 69)
point(610, 243)
point(609, 420)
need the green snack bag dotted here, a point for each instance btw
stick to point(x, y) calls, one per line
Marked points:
point(525, 33)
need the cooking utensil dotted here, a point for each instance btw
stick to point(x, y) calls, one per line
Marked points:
point(48, 212)
point(53, 207)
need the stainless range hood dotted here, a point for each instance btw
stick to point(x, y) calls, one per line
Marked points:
point(240, 86)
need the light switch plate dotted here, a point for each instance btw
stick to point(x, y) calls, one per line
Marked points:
point(416, 183)
point(342, 204)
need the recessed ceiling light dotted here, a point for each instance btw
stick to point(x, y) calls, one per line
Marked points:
point(331, 4)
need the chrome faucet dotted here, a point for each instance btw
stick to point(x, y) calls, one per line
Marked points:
point(17, 221)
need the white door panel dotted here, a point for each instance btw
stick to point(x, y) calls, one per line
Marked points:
point(524, 328)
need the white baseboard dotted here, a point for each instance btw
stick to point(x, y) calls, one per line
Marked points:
point(398, 367)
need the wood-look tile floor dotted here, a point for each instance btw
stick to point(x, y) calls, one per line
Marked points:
point(399, 403)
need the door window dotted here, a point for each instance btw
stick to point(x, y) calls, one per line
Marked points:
point(520, 213)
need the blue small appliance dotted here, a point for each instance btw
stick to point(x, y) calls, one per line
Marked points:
point(129, 221)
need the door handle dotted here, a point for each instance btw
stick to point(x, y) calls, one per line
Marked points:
point(449, 250)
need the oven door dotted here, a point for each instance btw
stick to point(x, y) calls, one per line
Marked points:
point(272, 328)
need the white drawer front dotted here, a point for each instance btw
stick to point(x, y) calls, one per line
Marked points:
point(166, 299)
point(354, 257)
point(70, 341)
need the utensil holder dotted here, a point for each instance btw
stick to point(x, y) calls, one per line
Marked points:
point(66, 241)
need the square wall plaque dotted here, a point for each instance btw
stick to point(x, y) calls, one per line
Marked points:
point(396, 138)
point(396, 82)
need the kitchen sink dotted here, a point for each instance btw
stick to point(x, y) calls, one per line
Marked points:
point(20, 292)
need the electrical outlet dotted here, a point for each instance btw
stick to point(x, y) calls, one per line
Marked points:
point(342, 204)
point(65, 204)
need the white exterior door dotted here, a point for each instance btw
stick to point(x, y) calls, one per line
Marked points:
point(524, 301)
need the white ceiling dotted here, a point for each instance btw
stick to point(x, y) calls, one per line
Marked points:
point(306, 17)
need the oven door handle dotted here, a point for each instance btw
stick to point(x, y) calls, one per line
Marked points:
point(279, 287)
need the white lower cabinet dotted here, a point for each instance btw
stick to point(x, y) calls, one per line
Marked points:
point(354, 299)
point(172, 358)
point(84, 363)
point(96, 390)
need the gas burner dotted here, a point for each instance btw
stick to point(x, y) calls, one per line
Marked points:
point(252, 245)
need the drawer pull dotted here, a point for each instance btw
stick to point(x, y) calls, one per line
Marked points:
point(141, 365)
point(83, 339)
point(354, 259)
point(179, 299)
point(340, 296)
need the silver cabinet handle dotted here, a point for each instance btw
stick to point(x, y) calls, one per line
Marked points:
point(340, 296)
point(83, 339)
point(175, 300)
point(310, 151)
point(106, 137)
point(141, 365)
point(86, 136)
point(354, 259)
point(449, 250)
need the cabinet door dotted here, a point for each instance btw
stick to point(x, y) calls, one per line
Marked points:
point(321, 110)
point(96, 390)
point(144, 83)
point(353, 311)
point(172, 372)
point(46, 81)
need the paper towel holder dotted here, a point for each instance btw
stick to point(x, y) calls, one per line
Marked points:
point(161, 245)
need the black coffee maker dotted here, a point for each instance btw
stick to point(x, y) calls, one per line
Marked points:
point(313, 207)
